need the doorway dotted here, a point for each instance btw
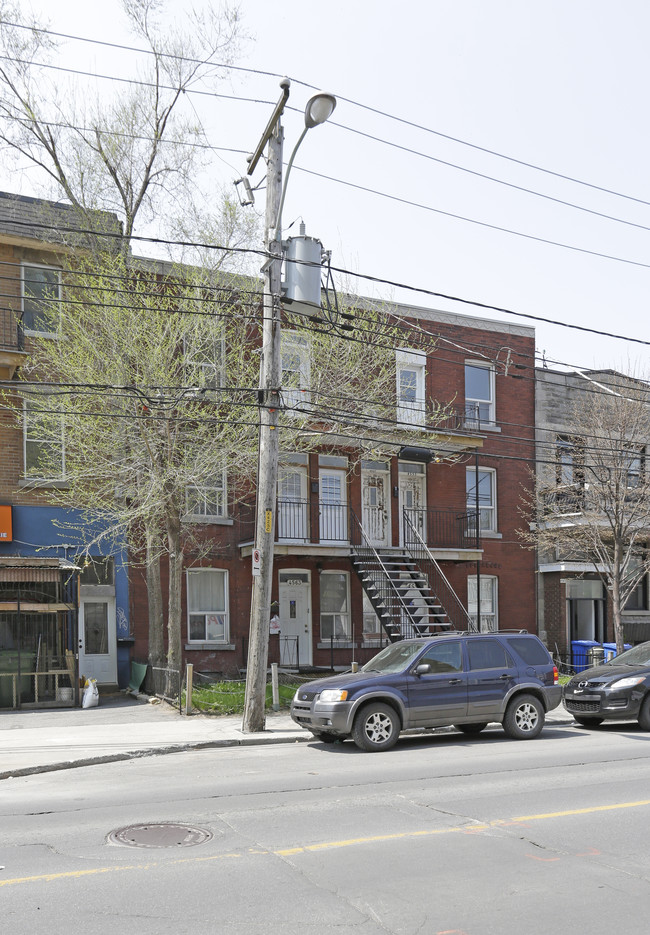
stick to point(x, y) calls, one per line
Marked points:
point(412, 498)
point(98, 640)
point(295, 617)
point(375, 503)
point(585, 610)
point(333, 520)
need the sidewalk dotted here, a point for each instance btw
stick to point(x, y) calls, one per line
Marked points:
point(123, 727)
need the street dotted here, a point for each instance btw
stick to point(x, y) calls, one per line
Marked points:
point(443, 834)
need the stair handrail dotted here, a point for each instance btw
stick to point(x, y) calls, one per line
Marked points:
point(410, 530)
point(377, 556)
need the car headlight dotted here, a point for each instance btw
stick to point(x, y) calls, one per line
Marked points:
point(628, 682)
point(334, 694)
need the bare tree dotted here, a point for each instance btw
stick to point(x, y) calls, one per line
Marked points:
point(593, 487)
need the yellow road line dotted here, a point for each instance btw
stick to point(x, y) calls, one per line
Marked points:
point(330, 845)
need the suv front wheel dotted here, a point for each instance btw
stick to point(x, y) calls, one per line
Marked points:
point(524, 718)
point(376, 727)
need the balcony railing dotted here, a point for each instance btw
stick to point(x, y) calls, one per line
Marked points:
point(305, 521)
point(12, 337)
point(564, 499)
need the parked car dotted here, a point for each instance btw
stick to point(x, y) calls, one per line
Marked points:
point(462, 679)
point(618, 690)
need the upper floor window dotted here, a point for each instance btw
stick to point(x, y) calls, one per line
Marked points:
point(41, 295)
point(295, 356)
point(96, 570)
point(205, 359)
point(479, 393)
point(209, 499)
point(43, 439)
point(634, 468)
point(207, 606)
point(487, 500)
point(411, 371)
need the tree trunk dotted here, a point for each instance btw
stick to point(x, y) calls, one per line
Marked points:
point(174, 643)
point(616, 599)
point(154, 597)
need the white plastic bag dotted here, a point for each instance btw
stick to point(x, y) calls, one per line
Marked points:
point(91, 694)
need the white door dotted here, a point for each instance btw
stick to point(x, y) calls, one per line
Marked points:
point(98, 640)
point(333, 506)
point(292, 504)
point(375, 507)
point(412, 501)
point(295, 617)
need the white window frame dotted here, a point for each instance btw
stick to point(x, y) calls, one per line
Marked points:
point(295, 393)
point(489, 602)
point(473, 415)
point(31, 417)
point(23, 267)
point(487, 513)
point(202, 495)
point(346, 623)
point(215, 611)
point(411, 411)
point(210, 368)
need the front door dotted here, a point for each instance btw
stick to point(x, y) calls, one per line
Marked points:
point(295, 617)
point(375, 507)
point(333, 506)
point(98, 640)
point(412, 501)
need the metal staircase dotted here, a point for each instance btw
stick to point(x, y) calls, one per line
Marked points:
point(402, 588)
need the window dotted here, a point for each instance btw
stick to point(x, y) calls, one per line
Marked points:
point(489, 605)
point(334, 606)
point(487, 654)
point(207, 500)
point(41, 296)
point(634, 468)
point(95, 570)
point(207, 605)
point(486, 499)
point(479, 393)
point(205, 357)
point(296, 369)
point(446, 657)
point(638, 599)
point(43, 439)
point(411, 409)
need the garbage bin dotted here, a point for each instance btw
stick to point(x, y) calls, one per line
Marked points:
point(610, 649)
point(579, 650)
point(596, 655)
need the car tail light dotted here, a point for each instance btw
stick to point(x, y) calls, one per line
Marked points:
point(556, 675)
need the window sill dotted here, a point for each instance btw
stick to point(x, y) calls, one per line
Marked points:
point(338, 644)
point(40, 482)
point(199, 647)
point(207, 520)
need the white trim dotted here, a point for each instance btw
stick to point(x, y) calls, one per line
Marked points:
point(411, 412)
point(472, 400)
point(471, 498)
point(216, 611)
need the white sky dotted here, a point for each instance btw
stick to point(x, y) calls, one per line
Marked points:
point(560, 85)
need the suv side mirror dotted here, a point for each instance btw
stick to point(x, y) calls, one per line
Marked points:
point(423, 669)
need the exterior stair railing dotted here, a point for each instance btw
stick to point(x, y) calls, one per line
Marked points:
point(418, 551)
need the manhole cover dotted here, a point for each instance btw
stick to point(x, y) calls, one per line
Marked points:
point(159, 834)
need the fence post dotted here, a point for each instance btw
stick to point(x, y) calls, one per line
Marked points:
point(275, 691)
point(355, 666)
point(189, 677)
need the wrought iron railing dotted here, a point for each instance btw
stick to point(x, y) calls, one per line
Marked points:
point(438, 581)
point(11, 330)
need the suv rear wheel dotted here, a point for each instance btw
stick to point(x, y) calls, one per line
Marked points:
point(524, 718)
point(376, 727)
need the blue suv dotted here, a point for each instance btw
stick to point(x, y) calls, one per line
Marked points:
point(462, 679)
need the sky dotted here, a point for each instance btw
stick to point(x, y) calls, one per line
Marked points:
point(432, 95)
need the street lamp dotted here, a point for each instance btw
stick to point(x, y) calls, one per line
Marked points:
point(318, 110)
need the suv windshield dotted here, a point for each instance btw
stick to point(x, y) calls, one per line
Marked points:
point(637, 656)
point(393, 658)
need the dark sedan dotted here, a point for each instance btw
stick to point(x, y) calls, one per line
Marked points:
point(619, 690)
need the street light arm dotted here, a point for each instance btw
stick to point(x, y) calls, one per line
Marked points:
point(278, 223)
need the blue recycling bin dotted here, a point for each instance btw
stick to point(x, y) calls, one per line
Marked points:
point(579, 653)
point(610, 650)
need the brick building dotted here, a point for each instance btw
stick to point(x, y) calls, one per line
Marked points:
point(367, 549)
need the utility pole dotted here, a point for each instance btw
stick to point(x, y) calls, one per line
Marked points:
point(269, 404)
point(319, 107)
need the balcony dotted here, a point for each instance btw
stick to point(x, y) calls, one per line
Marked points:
point(12, 342)
point(320, 523)
point(564, 500)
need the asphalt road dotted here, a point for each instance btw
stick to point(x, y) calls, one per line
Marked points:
point(443, 834)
